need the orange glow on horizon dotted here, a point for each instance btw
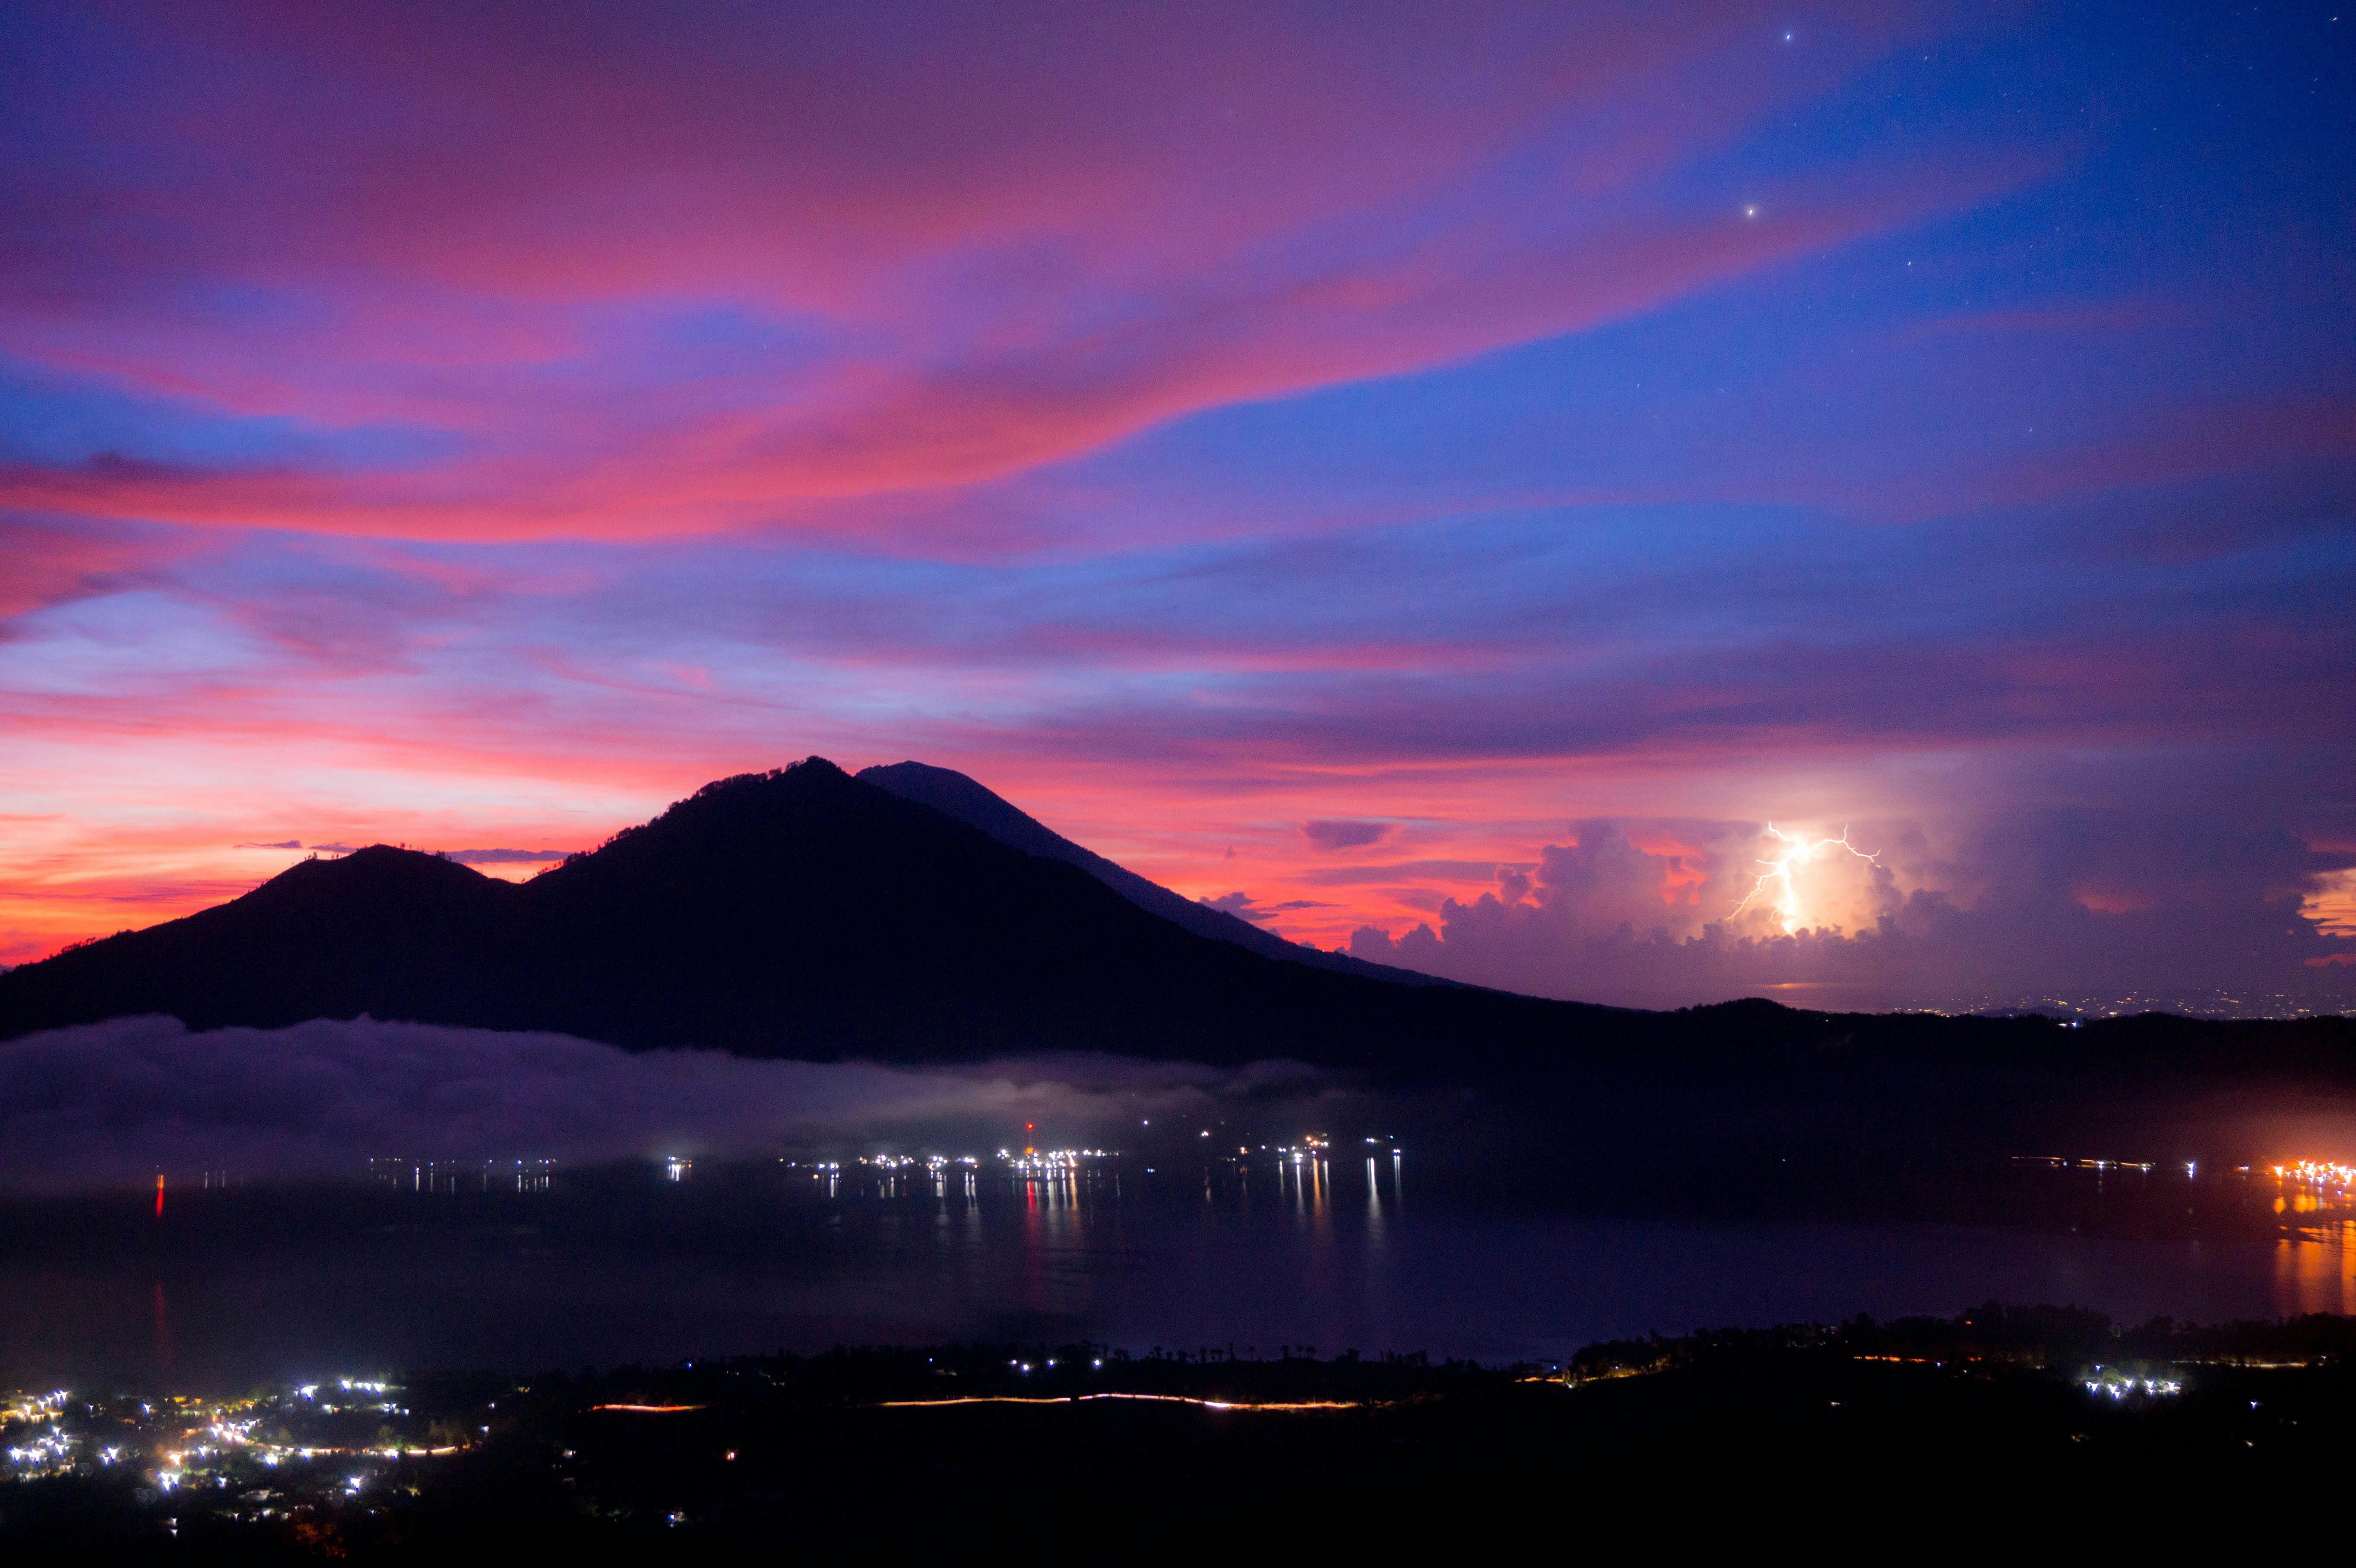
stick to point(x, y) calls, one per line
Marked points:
point(89, 860)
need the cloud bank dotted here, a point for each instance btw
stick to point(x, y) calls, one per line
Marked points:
point(119, 1101)
point(1674, 912)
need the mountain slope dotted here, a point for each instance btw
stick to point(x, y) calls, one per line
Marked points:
point(383, 931)
point(946, 790)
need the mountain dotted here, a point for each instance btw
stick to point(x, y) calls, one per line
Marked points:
point(801, 913)
point(946, 790)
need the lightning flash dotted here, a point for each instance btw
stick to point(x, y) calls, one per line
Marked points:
point(1778, 875)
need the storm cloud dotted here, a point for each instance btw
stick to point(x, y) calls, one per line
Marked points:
point(1675, 912)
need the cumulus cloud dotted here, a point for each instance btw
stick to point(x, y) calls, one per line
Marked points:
point(1654, 915)
point(1344, 835)
point(118, 1101)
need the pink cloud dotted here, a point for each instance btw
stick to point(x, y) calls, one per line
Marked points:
point(975, 269)
point(855, 433)
point(48, 563)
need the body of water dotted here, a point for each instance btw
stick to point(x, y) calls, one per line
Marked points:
point(233, 1286)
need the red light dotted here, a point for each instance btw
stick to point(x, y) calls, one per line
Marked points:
point(159, 1196)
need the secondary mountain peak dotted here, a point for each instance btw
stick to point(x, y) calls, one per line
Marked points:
point(382, 930)
point(970, 802)
point(949, 791)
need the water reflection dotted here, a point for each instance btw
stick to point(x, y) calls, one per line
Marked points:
point(2315, 1260)
point(1271, 1247)
point(448, 1177)
point(2317, 1271)
point(2304, 1212)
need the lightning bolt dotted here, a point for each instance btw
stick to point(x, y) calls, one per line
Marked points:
point(1786, 900)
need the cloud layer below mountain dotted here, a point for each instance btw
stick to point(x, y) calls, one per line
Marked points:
point(119, 1101)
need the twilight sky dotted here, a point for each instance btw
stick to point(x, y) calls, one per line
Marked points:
point(1438, 479)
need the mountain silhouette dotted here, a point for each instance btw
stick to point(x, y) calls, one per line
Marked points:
point(801, 913)
point(946, 790)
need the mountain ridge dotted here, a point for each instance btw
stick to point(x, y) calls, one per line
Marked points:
point(807, 914)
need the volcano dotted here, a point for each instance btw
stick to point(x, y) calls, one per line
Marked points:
point(801, 913)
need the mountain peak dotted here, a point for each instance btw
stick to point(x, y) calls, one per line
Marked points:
point(378, 873)
point(811, 775)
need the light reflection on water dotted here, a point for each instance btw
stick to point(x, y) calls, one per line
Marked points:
point(2314, 1255)
point(1325, 1251)
point(2317, 1273)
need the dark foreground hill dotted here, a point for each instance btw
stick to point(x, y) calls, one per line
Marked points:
point(1850, 1437)
point(805, 913)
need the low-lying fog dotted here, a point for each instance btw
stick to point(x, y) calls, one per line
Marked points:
point(121, 1101)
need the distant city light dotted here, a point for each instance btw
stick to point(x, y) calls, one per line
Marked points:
point(2319, 1173)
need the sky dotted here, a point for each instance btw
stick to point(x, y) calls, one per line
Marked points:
point(1479, 485)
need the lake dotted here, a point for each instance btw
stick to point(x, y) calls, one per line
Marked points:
point(1325, 1251)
